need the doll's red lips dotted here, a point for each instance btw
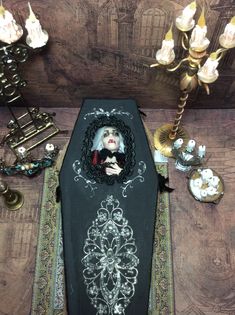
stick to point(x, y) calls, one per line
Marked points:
point(111, 141)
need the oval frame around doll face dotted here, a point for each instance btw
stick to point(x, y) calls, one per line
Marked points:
point(95, 171)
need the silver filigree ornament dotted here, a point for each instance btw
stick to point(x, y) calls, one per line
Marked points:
point(101, 112)
point(110, 262)
point(129, 183)
point(88, 183)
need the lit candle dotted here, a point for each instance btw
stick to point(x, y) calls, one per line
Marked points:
point(178, 143)
point(201, 151)
point(198, 41)
point(166, 54)
point(191, 145)
point(208, 73)
point(185, 22)
point(10, 32)
point(36, 36)
point(227, 39)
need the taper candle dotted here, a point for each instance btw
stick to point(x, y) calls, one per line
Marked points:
point(10, 31)
point(185, 21)
point(166, 54)
point(36, 36)
point(198, 41)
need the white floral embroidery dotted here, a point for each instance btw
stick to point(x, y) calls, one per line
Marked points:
point(101, 111)
point(110, 262)
point(89, 183)
point(139, 177)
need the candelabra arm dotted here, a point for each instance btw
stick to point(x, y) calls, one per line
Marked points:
point(220, 53)
point(179, 64)
point(185, 41)
point(206, 87)
point(155, 65)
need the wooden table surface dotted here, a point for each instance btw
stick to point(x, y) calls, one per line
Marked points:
point(203, 235)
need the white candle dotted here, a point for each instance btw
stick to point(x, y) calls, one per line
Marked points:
point(178, 143)
point(229, 32)
point(206, 175)
point(208, 73)
point(203, 193)
point(214, 181)
point(196, 192)
point(49, 148)
point(201, 151)
point(197, 182)
point(198, 41)
point(21, 152)
point(185, 22)
point(191, 145)
point(211, 191)
point(36, 36)
point(227, 39)
point(10, 31)
point(166, 54)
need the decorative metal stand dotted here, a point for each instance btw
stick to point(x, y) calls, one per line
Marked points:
point(13, 199)
point(206, 185)
point(195, 73)
point(26, 165)
point(33, 122)
point(187, 157)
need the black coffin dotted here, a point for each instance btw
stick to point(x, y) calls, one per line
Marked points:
point(108, 219)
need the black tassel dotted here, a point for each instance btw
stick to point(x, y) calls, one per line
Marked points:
point(58, 194)
point(141, 112)
point(162, 184)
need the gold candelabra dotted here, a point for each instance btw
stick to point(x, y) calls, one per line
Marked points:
point(199, 70)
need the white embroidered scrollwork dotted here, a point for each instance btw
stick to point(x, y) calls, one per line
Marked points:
point(129, 183)
point(88, 183)
point(110, 262)
point(101, 111)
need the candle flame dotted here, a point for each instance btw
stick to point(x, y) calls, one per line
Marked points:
point(32, 16)
point(169, 35)
point(201, 21)
point(232, 20)
point(2, 9)
point(213, 55)
point(193, 5)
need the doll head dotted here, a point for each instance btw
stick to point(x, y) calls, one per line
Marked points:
point(110, 138)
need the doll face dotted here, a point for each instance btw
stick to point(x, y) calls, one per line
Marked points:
point(111, 139)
